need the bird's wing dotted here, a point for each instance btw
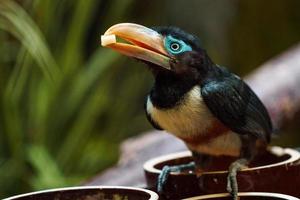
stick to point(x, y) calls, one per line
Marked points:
point(233, 102)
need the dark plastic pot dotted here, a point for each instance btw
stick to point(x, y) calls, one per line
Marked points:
point(90, 193)
point(246, 196)
point(278, 171)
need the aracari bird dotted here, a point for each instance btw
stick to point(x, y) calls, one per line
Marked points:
point(211, 109)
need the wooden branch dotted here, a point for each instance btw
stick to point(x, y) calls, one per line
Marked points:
point(276, 82)
point(135, 152)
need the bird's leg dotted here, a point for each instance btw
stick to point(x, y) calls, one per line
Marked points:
point(247, 152)
point(163, 176)
point(201, 161)
point(232, 186)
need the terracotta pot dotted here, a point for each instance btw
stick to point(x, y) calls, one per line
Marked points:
point(246, 196)
point(278, 170)
point(90, 193)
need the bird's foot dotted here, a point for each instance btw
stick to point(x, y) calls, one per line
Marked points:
point(232, 185)
point(163, 176)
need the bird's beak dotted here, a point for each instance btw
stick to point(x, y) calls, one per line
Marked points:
point(142, 43)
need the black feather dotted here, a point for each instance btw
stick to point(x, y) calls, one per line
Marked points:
point(233, 102)
point(178, 33)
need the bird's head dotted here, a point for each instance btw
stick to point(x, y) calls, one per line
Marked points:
point(164, 49)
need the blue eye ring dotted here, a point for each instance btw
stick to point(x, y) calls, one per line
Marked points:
point(175, 46)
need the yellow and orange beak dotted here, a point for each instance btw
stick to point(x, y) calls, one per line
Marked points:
point(143, 43)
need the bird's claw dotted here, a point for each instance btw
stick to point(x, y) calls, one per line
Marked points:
point(163, 176)
point(232, 185)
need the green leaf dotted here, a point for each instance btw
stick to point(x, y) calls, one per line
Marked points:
point(47, 173)
point(18, 23)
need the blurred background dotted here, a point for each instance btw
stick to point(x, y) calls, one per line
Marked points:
point(67, 103)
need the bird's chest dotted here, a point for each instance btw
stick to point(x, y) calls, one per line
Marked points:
point(192, 121)
point(189, 117)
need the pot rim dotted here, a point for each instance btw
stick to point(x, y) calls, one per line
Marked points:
point(279, 151)
point(153, 195)
point(260, 194)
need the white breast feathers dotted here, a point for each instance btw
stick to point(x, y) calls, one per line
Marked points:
point(190, 117)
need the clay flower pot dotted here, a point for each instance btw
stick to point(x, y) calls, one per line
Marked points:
point(90, 193)
point(246, 196)
point(278, 171)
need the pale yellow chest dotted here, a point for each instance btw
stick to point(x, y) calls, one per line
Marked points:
point(190, 117)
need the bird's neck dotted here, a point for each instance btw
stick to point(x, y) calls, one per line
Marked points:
point(169, 90)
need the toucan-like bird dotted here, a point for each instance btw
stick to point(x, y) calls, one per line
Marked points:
point(211, 109)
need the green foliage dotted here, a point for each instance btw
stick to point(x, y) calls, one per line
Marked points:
point(62, 105)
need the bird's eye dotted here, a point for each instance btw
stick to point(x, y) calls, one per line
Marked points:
point(175, 46)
